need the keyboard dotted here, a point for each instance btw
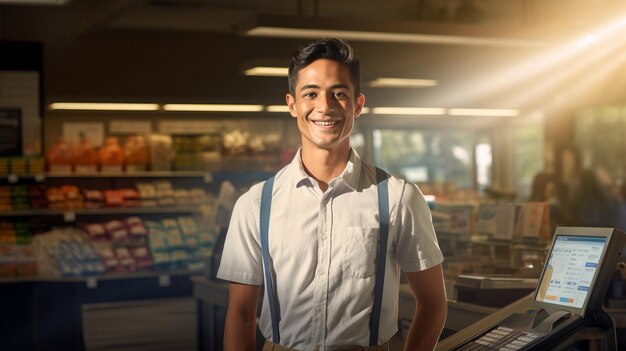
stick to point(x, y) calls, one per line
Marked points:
point(501, 339)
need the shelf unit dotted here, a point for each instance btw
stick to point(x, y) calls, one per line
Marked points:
point(108, 211)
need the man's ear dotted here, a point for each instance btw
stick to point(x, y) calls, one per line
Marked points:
point(291, 104)
point(358, 106)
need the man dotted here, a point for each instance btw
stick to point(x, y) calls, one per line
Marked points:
point(324, 231)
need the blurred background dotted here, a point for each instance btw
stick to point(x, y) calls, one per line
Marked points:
point(130, 126)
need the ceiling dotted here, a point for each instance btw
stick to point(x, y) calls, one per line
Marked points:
point(194, 50)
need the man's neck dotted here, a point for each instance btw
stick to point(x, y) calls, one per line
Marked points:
point(324, 165)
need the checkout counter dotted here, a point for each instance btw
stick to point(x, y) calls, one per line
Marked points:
point(564, 311)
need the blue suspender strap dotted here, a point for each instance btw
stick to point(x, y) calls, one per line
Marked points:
point(381, 255)
point(266, 205)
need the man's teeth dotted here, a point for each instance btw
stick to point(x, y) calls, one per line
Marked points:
point(326, 123)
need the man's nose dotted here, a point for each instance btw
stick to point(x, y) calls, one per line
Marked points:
point(325, 103)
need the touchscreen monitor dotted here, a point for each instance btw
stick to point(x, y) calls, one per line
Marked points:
point(570, 270)
point(578, 268)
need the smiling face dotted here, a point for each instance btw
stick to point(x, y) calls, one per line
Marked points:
point(325, 106)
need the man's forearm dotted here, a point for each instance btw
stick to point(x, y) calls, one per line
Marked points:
point(426, 327)
point(239, 332)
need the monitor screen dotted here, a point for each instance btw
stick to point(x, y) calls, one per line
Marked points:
point(570, 270)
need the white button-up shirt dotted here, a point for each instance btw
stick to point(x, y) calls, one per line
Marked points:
point(323, 253)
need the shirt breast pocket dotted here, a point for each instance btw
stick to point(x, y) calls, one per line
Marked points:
point(360, 251)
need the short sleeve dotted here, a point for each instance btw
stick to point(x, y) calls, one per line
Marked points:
point(241, 258)
point(417, 248)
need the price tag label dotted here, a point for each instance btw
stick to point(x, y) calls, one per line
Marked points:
point(69, 216)
point(165, 280)
point(13, 178)
point(208, 177)
point(92, 283)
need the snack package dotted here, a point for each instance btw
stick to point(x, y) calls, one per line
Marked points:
point(136, 155)
point(111, 156)
point(85, 156)
point(60, 156)
point(160, 152)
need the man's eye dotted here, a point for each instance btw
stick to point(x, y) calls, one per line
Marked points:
point(340, 95)
point(310, 95)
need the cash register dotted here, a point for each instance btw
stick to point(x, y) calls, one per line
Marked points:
point(567, 299)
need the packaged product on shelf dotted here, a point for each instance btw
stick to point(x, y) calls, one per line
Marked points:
point(187, 153)
point(95, 231)
point(55, 198)
point(136, 156)
point(113, 198)
point(182, 197)
point(60, 157)
point(93, 198)
point(137, 230)
point(188, 225)
point(18, 165)
point(37, 196)
point(236, 142)
point(160, 147)
point(119, 234)
point(104, 249)
point(17, 261)
point(23, 233)
point(165, 193)
point(85, 156)
point(123, 248)
point(111, 156)
point(130, 197)
point(198, 196)
point(73, 197)
point(36, 165)
point(25, 262)
point(65, 252)
point(147, 194)
point(159, 246)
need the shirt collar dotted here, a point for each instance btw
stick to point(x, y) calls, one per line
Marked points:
point(349, 176)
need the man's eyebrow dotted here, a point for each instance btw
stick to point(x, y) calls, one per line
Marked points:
point(340, 86)
point(315, 86)
point(309, 86)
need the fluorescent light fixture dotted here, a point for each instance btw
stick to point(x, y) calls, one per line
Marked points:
point(402, 83)
point(213, 107)
point(267, 71)
point(483, 112)
point(103, 106)
point(277, 108)
point(408, 111)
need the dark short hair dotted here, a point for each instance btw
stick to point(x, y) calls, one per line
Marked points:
point(328, 48)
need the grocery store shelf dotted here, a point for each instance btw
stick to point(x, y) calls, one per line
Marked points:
point(16, 178)
point(117, 276)
point(207, 176)
point(70, 213)
point(143, 174)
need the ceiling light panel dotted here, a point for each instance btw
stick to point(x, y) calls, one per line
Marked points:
point(97, 106)
point(409, 111)
point(481, 112)
point(402, 83)
point(267, 71)
point(277, 108)
point(213, 107)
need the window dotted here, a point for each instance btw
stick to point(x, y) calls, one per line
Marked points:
point(426, 156)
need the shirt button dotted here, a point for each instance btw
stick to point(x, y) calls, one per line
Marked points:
point(324, 236)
